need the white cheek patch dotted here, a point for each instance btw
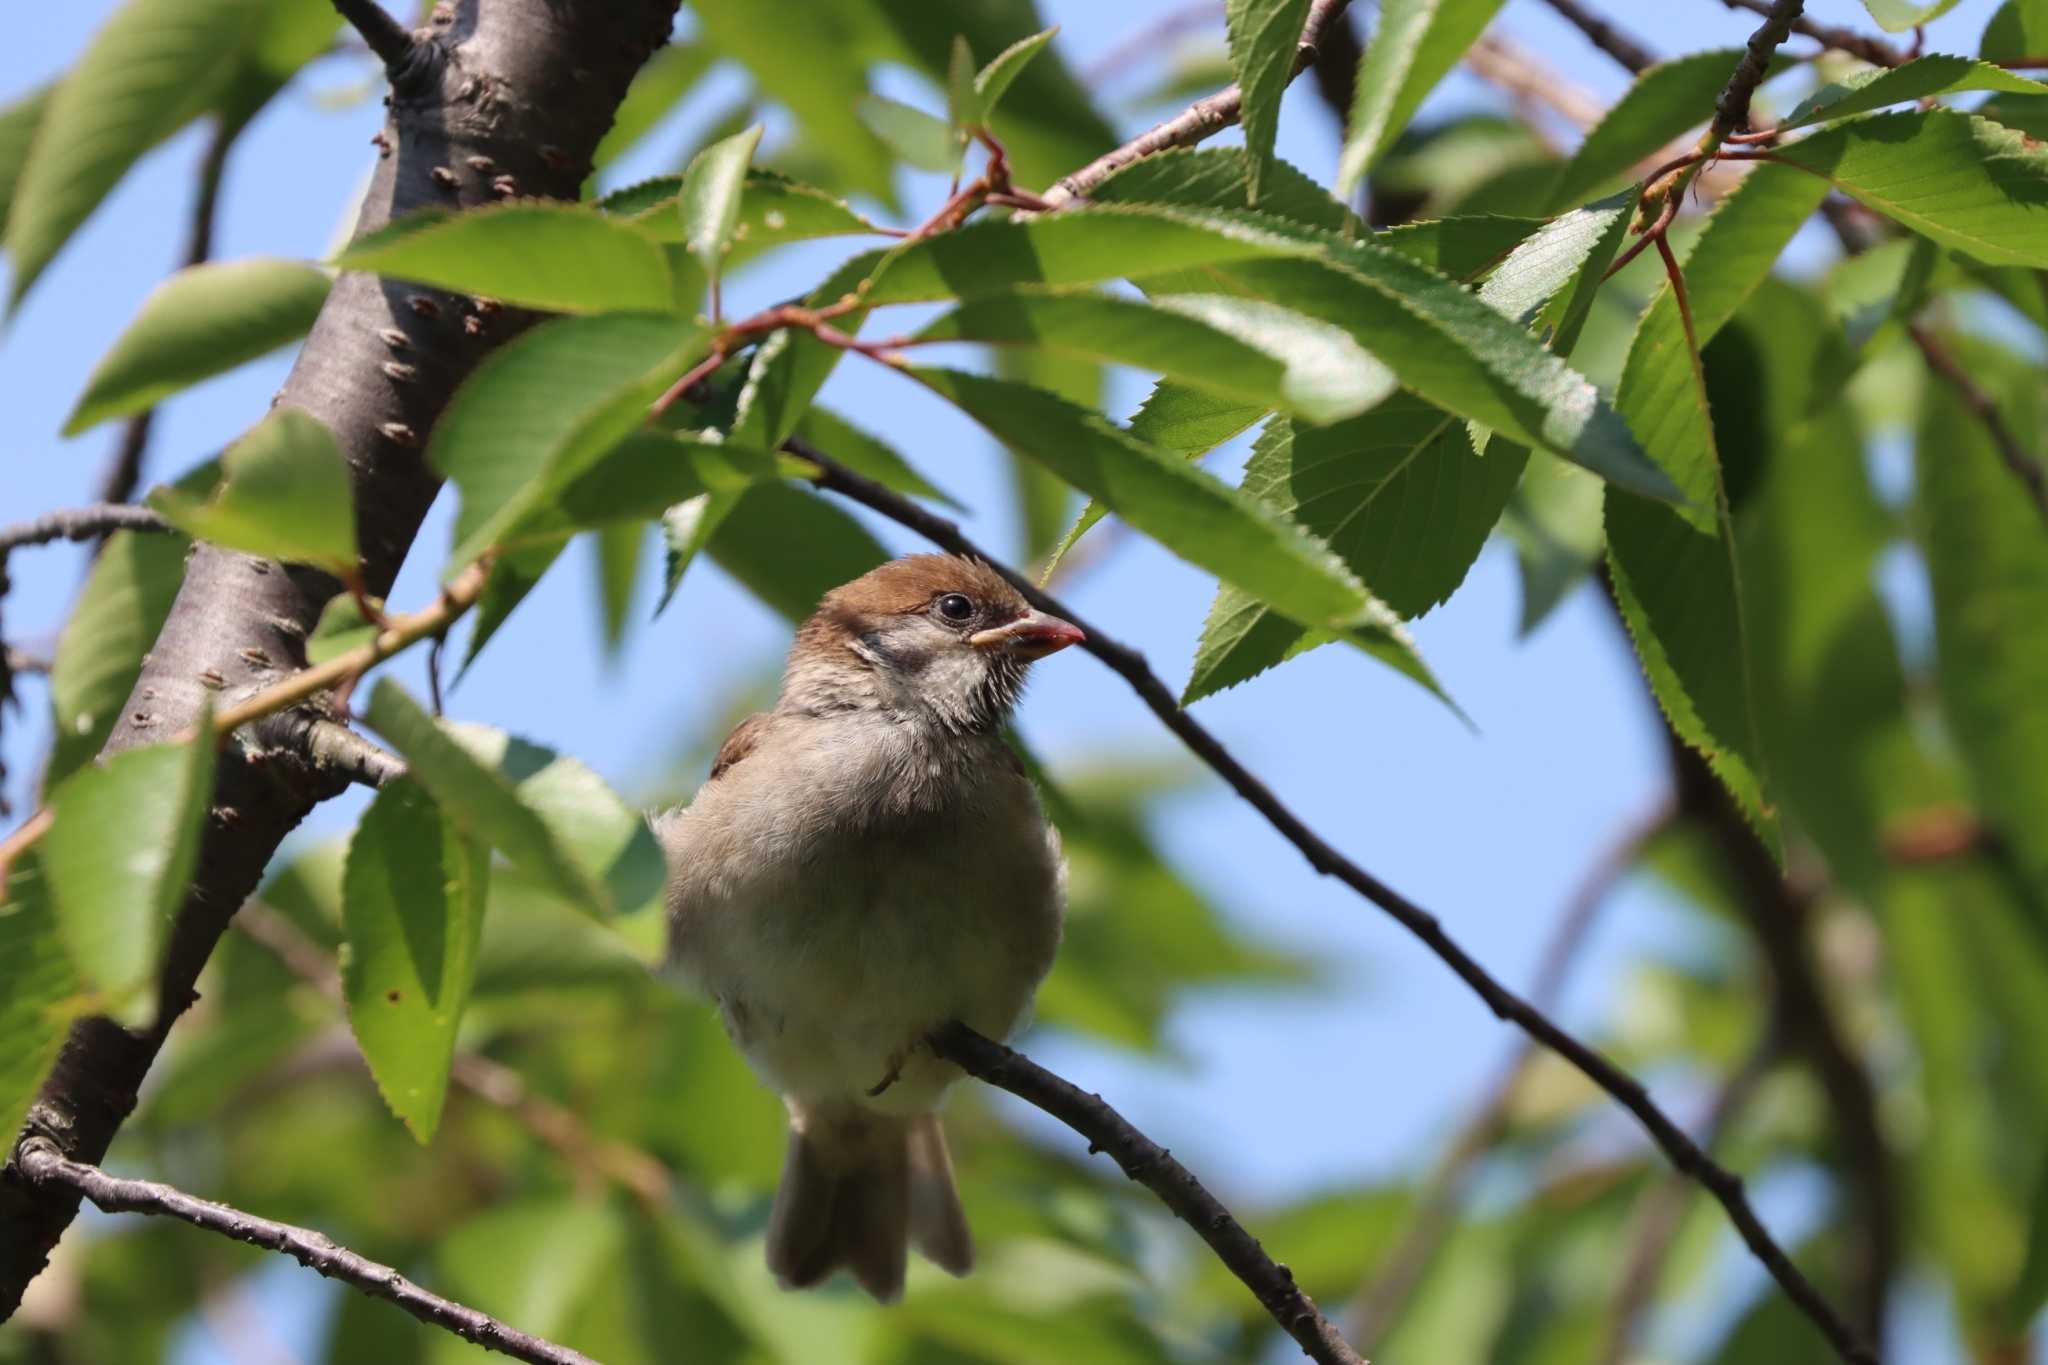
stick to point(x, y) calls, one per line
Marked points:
point(953, 682)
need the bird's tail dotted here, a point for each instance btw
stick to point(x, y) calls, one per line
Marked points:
point(859, 1188)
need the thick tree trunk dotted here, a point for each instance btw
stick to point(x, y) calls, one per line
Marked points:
point(500, 98)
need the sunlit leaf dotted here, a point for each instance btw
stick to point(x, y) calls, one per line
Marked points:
point(285, 494)
point(1265, 36)
point(1922, 78)
point(1416, 43)
point(566, 258)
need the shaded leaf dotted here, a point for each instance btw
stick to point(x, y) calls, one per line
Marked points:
point(618, 550)
point(912, 134)
point(1554, 520)
point(1220, 178)
point(1264, 38)
point(341, 628)
point(1922, 78)
point(992, 82)
point(751, 542)
point(658, 87)
point(125, 601)
point(1661, 104)
point(566, 258)
point(1417, 42)
point(285, 494)
point(412, 907)
point(43, 991)
point(18, 124)
point(865, 454)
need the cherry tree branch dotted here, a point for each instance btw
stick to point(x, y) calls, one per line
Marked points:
point(1605, 36)
point(1683, 1153)
point(80, 523)
point(1872, 50)
point(1201, 120)
point(384, 35)
point(2024, 466)
point(44, 1166)
point(1152, 1166)
point(1731, 110)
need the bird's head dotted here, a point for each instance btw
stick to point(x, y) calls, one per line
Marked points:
point(932, 637)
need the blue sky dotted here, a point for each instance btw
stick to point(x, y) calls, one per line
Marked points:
point(1490, 827)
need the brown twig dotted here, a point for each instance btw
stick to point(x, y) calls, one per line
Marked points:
point(1872, 50)
point(1152, 1166)
point(40, 1162)
point(1731, 110)
point(1199, 121)
point(2024, 466)
point(80, 523)
point(1127, 663)
point(331, 745)
point(1605, 36)
point(385, 36)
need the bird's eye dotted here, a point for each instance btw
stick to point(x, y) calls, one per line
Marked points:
point(956, 606)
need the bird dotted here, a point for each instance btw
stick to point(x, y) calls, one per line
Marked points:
point(869, 860)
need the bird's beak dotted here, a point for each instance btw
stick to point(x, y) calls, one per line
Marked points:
point(1032, 635)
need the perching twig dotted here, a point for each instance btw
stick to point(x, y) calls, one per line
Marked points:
point(331, 745)
point(2018, 459)
point(385, 35)
point(1605, 36)
point(1872, 50)
point(1152, 1166)
point(1127, 663)
point(42, 1164)
point(80, 523)
point(1731, 111)
point(1199, 121)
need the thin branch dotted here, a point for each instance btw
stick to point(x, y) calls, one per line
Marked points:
point(385, 35)
point(1152, 1166)
point(1731, 111)
point(1201, 120)
point(39, 1160)
point(2024, 466)
point(1436, 1207)
point(1512, 69)
point(1148, 41)
point(1128, 664)
point(19, 661)
point(80, 523)
point(1339, 54)
point(1872, 50)
point(1605, 36)
point(331, 745)
point(124, 473)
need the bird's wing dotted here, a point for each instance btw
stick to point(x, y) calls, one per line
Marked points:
point(742, 741)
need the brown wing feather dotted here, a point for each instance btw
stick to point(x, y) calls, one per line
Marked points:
point(741, 742)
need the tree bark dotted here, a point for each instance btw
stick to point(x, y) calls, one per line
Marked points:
point(499, 98)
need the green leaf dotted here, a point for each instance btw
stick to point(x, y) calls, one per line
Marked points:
point(285, 495)
point(413, 908)
point(617, 551)
point(1938, 74)
point(149, 69)
point(1972, 185)
point(865, 454)
point(1362, 487)
point(18, 124)
point(123, 840)
point(124, 604)
point(43, 991)
point(341, 628)
point(2019, 29)
point(644, 475)
point(686, 529)
point(480, 799)
point(994, 80)
point(913, 135)
point(1238, 348)
point(566, 258)
point(514, 574)
point(1554, 520)
point(1571, 249)
point(1987, 552)
point(1184, 509)
point(1664, 102)
point(1673, 567)
point(773, 209)
point(1896, 16)
point(541, 410)
point(1463, 247)
point(963, 98)
point(1265, 36)
point(1220, 178)
point(751, 542)
point(712, 189)
point(202, 321)
point(1417, 42)
point(658, 87)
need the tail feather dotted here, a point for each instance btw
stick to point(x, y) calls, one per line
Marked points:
point(857, 1190)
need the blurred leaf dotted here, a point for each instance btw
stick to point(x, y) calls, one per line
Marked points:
point(1971, 185)
point(1554, 520)
point(413, 907)
point(1922, 78)
point(993, 81)
point(1238, 348)
point(1896, 16)
point(1673, 567)
point(43, 990)
point(645, 474)
point(686, 529)
point(1987, 553)
point(514, 574)
point(865, 454)
point(18, 124)
point(1265, 36)
point(1043, 502)
point(1664, 101)
point(123, 840)
point(1357, 486)
point(341, 628)
point(667, 79)
point(1332, 1242)
point(752, 544)
point(535, 941)
point(1449, 166)
point(125, 601)
point(202, 321)
point(566, 258)
point(2018, 29)
point(1416, 43)
point(151, 67)
point(618, 550)
point(539, 411)
point(913, 135)
point(285, 494)
point(710, 204)
point(482, 800)
point(963, 100)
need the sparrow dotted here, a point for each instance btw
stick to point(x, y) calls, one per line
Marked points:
point(869, 860)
